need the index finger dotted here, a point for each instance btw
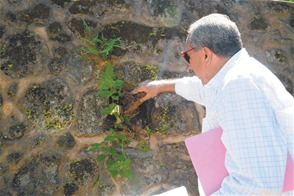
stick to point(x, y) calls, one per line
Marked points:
point(140, 87)
point(136, 90)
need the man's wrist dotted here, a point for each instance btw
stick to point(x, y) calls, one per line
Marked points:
point(164, 85)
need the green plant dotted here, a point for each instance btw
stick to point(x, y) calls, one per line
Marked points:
point(143, 145)
point(153, 71)
point(111, 150)
point(117, 163)
point(111, 89)
point(163, 120)
point(149, 131)
point(157, 33)
point(98, 45)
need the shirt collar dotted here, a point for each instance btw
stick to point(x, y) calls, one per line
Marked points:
point(216, 81)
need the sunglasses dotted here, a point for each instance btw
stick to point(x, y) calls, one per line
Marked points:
point(186, 56)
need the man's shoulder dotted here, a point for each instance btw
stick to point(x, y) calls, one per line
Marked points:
point(248, 71)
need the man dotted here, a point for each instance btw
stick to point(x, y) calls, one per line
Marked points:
point(242, 97)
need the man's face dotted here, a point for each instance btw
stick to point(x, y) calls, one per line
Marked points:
point(197, 61)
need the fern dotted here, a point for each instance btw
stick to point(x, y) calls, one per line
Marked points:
point(98, 45)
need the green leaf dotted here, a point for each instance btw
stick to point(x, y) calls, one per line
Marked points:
point(109, 72)
point(109, 138)
point(127, 173)
point(88, 41)
point(122, 158)
point(93, 50)
point(122, 137)
point(109, 109)
point(113, 173)
point(87, 29)
point(106, 150)
point(114, 153)
point(114, 167)
point(101, 157)
point(127, 162)
point(103, 86)
point(93, 147)
point(96, 40)
point(105, 93)
point(109, 162)
point(118, 83)
point(116, 98)
point(106, 111)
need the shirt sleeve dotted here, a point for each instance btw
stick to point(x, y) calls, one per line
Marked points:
point(256, 147)
point(190, 88)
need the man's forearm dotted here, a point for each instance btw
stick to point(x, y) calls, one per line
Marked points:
point(164, 85)
point(153, 88)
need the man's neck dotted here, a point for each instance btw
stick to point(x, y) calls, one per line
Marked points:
point(214, 67)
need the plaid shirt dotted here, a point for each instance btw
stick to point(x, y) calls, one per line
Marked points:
point(255, 112)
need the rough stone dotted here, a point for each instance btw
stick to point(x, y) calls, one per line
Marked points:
point(70, 188)
point(14, 157)
point(127, 70)
point(90, 119)
point(37, 14)
point(66, 140)
point(180, 172)
point(11, 16)
point(83, 170)
point(49, 105)
point(61, 3)
point(77, 68)
point(82, 7)
point(78, 26)
point(17, 131)
point(37, 172)
point(169, 110)
point(18, 54)
point(3, 169)
point(2, 30)
point(288, 83)
point(276, 56)
point(258, 23)
point(12, 90)
point(1, 99)
point(56, 33)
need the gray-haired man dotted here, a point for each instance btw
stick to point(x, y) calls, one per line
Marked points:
point(242, 97)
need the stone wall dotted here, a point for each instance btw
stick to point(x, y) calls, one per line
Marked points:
point(50, 108)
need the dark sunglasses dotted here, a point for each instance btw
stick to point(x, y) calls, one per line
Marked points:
point(186, 56)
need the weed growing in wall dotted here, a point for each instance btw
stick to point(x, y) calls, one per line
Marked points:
point(98, 45)
point(117, 163)
point(111, 150)
point(110, 88)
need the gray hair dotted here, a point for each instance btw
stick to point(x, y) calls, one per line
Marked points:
point(216, 32)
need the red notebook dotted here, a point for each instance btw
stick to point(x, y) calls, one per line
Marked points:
point(209, 164)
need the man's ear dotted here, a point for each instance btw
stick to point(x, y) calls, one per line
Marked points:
point(207, 54)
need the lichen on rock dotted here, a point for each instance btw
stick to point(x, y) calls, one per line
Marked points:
point(49, 106)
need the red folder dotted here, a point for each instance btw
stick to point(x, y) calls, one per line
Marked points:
point(207, 154)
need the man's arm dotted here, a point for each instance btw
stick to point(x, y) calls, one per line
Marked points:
point(153, 88)
point(189, 88)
